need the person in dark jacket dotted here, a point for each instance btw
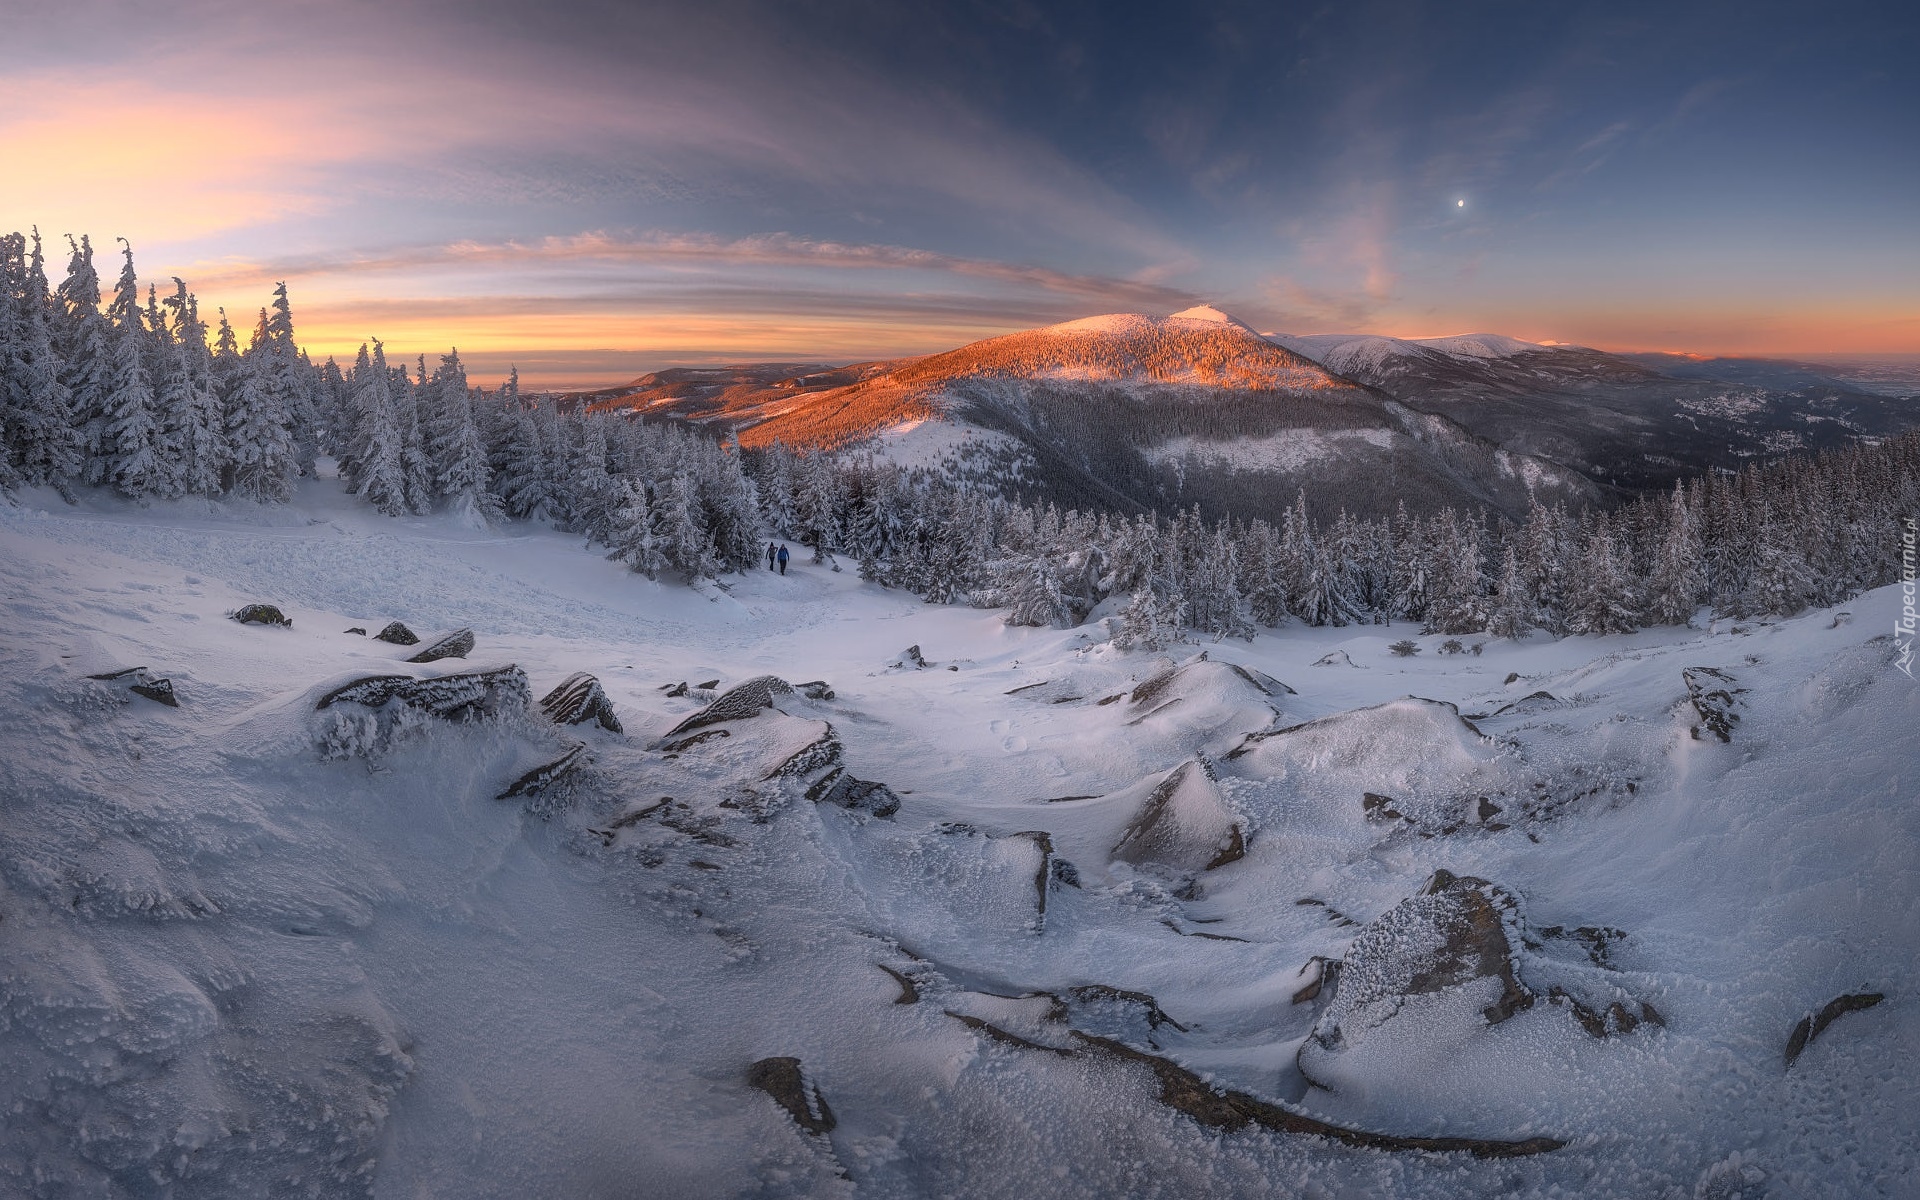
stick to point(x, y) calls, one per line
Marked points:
point(770, 552)
point(783, 558)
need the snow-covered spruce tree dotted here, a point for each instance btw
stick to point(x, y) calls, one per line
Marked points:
point(817, 505)
point(1511, 614)
point(777, 491)
point(732, 510)
point(1150, 621)
point(43, 444)
point(129, 436)
point(167, 371)
point(1602, 598)
point(1259, 562)
point(379, 471)
point(1545, 552)
point(462, 473)
point(1678, 578)
point(288, 380)
point(521, 476)
point(262, 459)
point(1457, 603)
point(1031, 591)
point(585, 490)
point(13, 271)
point(404, 395)
point(82, 341)
point(1409, 570)
point(1214, 602)
point(633, 535)
point(683, 539)
point(260, 465)
point(1782, 581)
point(191, 400)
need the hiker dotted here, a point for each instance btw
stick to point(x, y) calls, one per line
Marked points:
point(783, 558)
point(769, 556)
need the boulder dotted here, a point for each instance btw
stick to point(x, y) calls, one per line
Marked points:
point(262, 614)
point(746, 700)
point(1183, 824)
point(358, 629)
point(815, 690)
point(1811, 1026)
point(580, 699)
point(548, 777)
point(450, 697)
point(397, 634)
point(1441, 962)
point(783, 1079)
point(142, 682)
point(1714, 698)
point(820, 767)
point(457, 644)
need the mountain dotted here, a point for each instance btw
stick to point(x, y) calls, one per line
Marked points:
point(1126, 412)
point(1635, 421)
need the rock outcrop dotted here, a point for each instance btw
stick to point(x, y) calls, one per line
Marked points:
point(580, 699)
point(262, 614)
point(1183, 824)
point(457, 644)
point(1811, 1026)
point(783, 1079)
point(397, 634)
point(737, 703)
point(450, 697)
point(142, 682)
point(1714, 698)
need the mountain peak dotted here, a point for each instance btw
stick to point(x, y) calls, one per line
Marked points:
point(1211, 315)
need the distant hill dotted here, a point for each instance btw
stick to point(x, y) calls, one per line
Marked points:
point(1632, 420)
point(1124, 412)
point(1134, 412)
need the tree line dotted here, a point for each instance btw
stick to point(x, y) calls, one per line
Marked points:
point(144, 397)
point(1774, 538)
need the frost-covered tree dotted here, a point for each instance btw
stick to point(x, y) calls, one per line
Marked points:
point(130, 448)
point(1511, 614)
point(379, 468)
point(458, 450)
point(1150, 621)
point(521, 475)
point(190, 400)
point(1602, 592)
point(83, 343)
point(1678, 577)
point(634, 536)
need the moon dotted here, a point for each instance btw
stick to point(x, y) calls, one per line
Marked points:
point(1459, 203)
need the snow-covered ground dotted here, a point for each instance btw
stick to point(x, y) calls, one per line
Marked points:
point(256, 946)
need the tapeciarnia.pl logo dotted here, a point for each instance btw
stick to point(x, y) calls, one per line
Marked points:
point(1904, 625)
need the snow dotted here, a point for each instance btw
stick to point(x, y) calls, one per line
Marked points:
point(931, 441)
point(1289, 450)
point(1134, 324)
point(1207, 314)
point(234, 966)
point(1366, 353)
point(1106, 323)
point(1479, 345)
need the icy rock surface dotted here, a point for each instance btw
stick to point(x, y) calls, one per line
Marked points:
point(580, 699)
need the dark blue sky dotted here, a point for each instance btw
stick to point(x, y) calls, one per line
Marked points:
point(592, 188)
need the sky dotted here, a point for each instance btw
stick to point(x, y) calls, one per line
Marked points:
point(590, 189)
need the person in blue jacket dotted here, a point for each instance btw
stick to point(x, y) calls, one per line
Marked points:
point(783, 558)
